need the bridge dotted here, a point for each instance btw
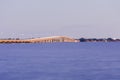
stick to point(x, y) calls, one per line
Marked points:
point(53, 39)
point(42, 40)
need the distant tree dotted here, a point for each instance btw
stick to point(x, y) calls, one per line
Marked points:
point(82, 40)
point(94, 39)
point(110, 39)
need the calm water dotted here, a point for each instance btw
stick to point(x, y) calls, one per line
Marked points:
point(60, 61)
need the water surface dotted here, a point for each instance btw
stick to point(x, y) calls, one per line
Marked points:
point(60, 61)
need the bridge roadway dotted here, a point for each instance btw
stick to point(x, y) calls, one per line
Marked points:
point(42, 40)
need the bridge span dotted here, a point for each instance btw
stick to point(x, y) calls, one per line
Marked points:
point(42, 40)
point(53, 39)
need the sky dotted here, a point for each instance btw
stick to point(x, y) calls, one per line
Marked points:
point(73, 18)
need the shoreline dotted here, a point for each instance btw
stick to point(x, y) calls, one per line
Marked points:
point(57, 39)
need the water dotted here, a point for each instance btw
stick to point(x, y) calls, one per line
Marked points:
point(60, 61)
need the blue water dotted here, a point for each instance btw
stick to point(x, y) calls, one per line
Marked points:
point(60, 61)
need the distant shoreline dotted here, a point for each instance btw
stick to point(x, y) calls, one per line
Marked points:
point(57, 39)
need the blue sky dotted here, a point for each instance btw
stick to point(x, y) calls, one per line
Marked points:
point(73, 18)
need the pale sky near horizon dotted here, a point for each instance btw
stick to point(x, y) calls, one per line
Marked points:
point(73, 18)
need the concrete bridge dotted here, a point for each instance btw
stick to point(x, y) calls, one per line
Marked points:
point(53, 39)
point(14, 41)
point(42, 40)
